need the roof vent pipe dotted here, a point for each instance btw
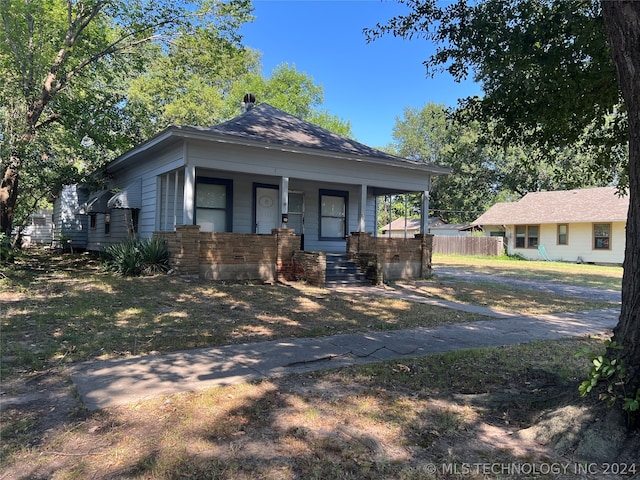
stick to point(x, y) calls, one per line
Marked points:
point(248, 102)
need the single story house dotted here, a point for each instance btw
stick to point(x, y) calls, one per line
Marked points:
point(408, 227)
point(238, 199)
point(38, 229)
point(582, 225)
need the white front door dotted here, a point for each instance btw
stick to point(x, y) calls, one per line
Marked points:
point(267, 209)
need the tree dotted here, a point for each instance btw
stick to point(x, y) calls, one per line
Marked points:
point(65, 65)
point(291, 91)
point(184, 86)
point(429, 134)
point(481, 171)
point(548, 69)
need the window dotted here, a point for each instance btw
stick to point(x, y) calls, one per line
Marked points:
point(563, 234)
point(213, 204)
point(135, 219)
point(107, 223)
point(601, 236)
point(296, 212)
point(92, 220)
point(333, 214)
point(39, 221)
point(521, 235)
point(527, 236)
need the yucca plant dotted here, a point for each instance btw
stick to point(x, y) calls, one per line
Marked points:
point(155, 256)
point(137, 257)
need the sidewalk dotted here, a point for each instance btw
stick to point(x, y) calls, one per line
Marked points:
point(125, 380)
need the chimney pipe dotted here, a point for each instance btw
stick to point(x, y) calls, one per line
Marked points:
point(248, 102)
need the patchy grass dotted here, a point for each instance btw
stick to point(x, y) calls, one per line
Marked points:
point(502, 297)
point(390, 420)
point(382, 421)
point(598, 276)
point(63, 308)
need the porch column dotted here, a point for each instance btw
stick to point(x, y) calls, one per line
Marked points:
point(362, 209)
point(188, 212)
point(424, 214)
point(284, 200)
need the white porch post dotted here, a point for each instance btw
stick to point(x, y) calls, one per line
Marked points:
point(284, 199)
point(188, 213)
point(424, 214)
point(362, 209)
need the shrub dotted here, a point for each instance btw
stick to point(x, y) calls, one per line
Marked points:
point(137, 257)
point(6, 252)
point(611, 376)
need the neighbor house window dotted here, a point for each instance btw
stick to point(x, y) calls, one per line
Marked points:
point(333, 214)
point(563, 234)
point(213, 204)
point(107, 223)
point(92, 220)
point(527, 236)
point(601, 236)
point(39, 221)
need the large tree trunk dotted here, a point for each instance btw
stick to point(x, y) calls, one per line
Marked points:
point(622, 20)
point(8, 195)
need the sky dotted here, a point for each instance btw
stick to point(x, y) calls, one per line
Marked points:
point(368, 85)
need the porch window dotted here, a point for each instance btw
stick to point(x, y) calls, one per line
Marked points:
point(527, 236)
point(296, 212)
point(601, 236)
point(213, 204)
point(333, 214)
point(563, 234)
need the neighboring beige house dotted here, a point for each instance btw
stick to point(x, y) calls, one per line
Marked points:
point(585, 225)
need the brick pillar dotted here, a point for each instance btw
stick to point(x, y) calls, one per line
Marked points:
point(426, 248)
point(185, 256)
point(358, 242)
point(286, 244)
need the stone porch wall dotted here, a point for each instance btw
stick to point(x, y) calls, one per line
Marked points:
point(232, 256)
point(383, 258)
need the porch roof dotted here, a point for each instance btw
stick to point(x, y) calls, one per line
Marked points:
point(268, 127)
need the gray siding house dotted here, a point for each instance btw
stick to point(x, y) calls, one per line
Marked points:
point(258, 172)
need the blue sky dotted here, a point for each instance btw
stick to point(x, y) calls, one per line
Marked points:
point(368, 85)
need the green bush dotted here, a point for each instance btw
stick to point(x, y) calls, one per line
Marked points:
point(135, 257)
point(613, 381)
point(6, 252)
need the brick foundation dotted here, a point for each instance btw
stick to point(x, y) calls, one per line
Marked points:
point(383, 258)
point(231, 256)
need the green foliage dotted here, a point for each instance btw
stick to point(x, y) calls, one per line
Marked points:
point(66, 69)
point(6, 252)
point(610, 378)
point(545, 69)
point(135, 257)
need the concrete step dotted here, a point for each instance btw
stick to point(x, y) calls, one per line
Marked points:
point(340, 271)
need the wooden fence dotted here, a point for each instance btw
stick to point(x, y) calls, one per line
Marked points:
point(490, 246)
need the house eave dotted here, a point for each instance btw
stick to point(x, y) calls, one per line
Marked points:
point(191, 133)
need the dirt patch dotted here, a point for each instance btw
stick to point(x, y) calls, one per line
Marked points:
point(289, 427)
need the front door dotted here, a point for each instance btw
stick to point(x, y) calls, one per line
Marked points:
point(267, 203)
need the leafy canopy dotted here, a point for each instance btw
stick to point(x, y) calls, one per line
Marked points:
point(544, 66)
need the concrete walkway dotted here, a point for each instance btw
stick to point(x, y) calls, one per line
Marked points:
point(124, 380)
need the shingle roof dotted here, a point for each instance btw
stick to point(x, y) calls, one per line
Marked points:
point(268, 124)
point(563, 206)
point(264, 126)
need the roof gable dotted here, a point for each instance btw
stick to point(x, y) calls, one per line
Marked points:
point(563, 206)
